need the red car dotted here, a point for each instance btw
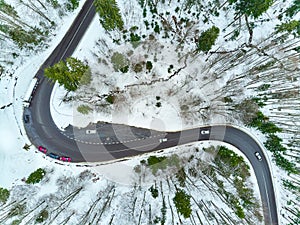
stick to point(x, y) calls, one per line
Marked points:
point(42, 149)
point(65, 159)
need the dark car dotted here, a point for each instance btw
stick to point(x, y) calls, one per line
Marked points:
point(26, 119)
point(53, 156)
point(42, 149)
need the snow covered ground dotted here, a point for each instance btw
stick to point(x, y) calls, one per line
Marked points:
point(74, 191)
point(12, 90)
point(135, 106)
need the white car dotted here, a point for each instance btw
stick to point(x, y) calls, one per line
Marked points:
point(91, 131)
point(204, 131)
point(163, 140)
point(258, 156)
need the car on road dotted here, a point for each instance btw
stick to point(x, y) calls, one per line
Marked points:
point(65, 159)
point(91, 131)
point(163, 140)
point(53, 155)
point(204, 131)
point(42, 149)
point(258, 156)
point(26, 119)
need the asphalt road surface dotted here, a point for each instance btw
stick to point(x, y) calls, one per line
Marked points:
point(105, 142)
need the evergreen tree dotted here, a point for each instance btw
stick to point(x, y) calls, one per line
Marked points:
point(293, 9)
point(67, 73)
point(109, 13)
point(252, 8)
point(289, 27)
point(207, 39)
point(36, 176)
point(72, 5)
point(4, 195)
point(183, 203)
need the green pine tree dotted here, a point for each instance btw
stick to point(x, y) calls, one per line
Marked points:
point(69, 73)
point(252, 8)
point(4, 195)
point(183, 203)
point(289, 27)
point(110, 16)
point(207, 39)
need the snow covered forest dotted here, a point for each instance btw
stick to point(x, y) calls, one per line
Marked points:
point(207, 191)
point(190, 61)
point(26, 27)
point(161, 66)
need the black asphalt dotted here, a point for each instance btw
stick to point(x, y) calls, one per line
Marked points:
point(106, 145)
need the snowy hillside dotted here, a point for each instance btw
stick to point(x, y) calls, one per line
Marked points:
point(155, 70)
point(153, 74)
point(144, 195)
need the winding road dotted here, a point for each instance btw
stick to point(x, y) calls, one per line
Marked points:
point(112, 141)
